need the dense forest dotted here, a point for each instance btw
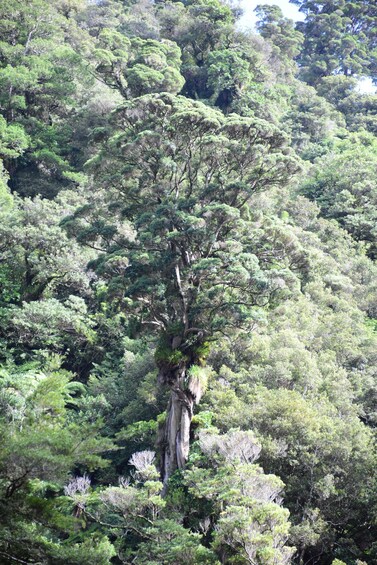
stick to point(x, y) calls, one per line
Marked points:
point(188, 283)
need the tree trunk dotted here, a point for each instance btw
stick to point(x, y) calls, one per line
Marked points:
point(175, 440)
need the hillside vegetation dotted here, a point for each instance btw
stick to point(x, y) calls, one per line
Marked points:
point(188, 284)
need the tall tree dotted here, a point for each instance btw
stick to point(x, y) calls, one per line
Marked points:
point(272, 25)
point(181, 176)
point(340, 38)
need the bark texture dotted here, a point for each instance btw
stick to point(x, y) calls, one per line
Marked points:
point(175, 442)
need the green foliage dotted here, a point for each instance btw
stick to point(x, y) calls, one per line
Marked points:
point(41, 265)
point(13, 140)
point(180, 227)
point(251, 527)
point(339, 39)
point(342, 184)
point(41, 442)
point(279, 31)
point(187, 218)
point(165, 355)
point(137, 66)
point(134, 512)
point(228, 75)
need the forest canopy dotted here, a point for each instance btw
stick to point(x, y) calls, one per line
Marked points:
point(188, 283)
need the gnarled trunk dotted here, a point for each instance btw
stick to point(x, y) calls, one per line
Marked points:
point(175, 441)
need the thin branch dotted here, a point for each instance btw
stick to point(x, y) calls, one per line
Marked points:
point(15, 558)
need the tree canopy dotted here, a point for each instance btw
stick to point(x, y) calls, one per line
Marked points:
point(188, 297)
